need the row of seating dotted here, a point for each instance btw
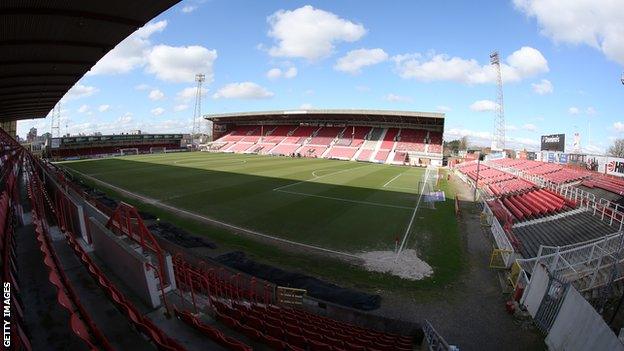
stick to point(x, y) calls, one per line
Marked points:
point(535, 203)
point(354, 136)
point(286, 140)
point(142, 324)
point(325, 135)
point(81, 323)
point(297, 329)
point(339, 152)
point(560, 174)
point(512, 185)
point(8, 258)
point(238, 304)
point(212, 333)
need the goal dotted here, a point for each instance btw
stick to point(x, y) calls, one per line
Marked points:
point(158, 150)
point(129, 151)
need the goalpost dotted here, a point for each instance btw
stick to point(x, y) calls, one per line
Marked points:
point(425, 187)
point(158, 150)
point(129, 151)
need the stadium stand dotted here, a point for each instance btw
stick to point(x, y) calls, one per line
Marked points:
point(107, 145)
point(563, 231)
point(532, 215)
point(411, 140)
point(325, 135)
point(353, 136)
point(343, 153)
point(338, 134)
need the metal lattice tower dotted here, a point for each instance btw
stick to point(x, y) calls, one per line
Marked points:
point(55, 124)
point(200, 78)
point(498, 139)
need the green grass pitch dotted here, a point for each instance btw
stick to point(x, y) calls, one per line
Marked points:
point(350, 207)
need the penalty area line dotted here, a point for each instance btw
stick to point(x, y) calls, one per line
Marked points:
point(317, 177)
point(379, 204)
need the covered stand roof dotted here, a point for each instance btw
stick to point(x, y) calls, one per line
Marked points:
point(47, 46)
point(408, 119)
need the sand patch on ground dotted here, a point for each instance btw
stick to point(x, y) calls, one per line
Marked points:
point(407, 266)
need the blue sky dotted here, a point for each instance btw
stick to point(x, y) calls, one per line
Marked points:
point(562, 65)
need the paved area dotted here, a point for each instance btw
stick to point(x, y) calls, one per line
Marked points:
point(471, 312)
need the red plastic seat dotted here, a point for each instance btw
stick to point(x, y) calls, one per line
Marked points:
point(274, 330)
point(319, 346)
point(296, 339)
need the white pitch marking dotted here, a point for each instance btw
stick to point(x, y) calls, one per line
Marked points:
point(401, 187)
point(391, 180)
point(315, 178)
point(206, 219)
point(346, 200)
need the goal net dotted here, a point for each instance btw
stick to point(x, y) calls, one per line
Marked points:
point(129, 151)
point(426, 186)
point(158, 149)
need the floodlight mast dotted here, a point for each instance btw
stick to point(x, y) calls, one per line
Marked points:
point(200, 78)
point(498, 139)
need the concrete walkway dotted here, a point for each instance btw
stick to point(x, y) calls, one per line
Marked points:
point(469, 313)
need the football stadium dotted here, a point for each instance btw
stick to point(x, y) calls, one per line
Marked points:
point(272, 228)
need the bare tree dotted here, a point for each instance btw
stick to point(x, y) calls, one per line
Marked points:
point(463, 143)
point(617, 149)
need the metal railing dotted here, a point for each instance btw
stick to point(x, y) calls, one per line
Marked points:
point(434, 340)
point(586, 265)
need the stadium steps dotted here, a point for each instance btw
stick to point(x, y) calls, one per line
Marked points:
point(550, 218)
point(379, 142)
point(564, 231)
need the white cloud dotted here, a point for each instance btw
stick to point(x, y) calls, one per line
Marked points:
point(83, 109)
point(103, 108)
point(543, 87)
point(530, 127)
point(188, 8)
point(306, 106)
point(511, 128)
point(355, 60)
point(244, 90)
point(156, 95)
point(618, 126)
point(362, 88)
point(573, 110)
point(597, 23)
point(484, 138)
point(188, 94)
point(125, 118)
point(130, 53)
point(275, 73)
point(157, 111)
point(181, 107)
point(397, 98)
point(79, 91)
point(180, 64)
point(142, 87)
point(521, 64)
point(483, 106)
point(442, 108)
point(590, 111)
point(310, 33)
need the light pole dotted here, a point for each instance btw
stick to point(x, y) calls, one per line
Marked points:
point(199, 78)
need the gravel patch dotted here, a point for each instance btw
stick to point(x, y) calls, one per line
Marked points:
point(407, 266)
